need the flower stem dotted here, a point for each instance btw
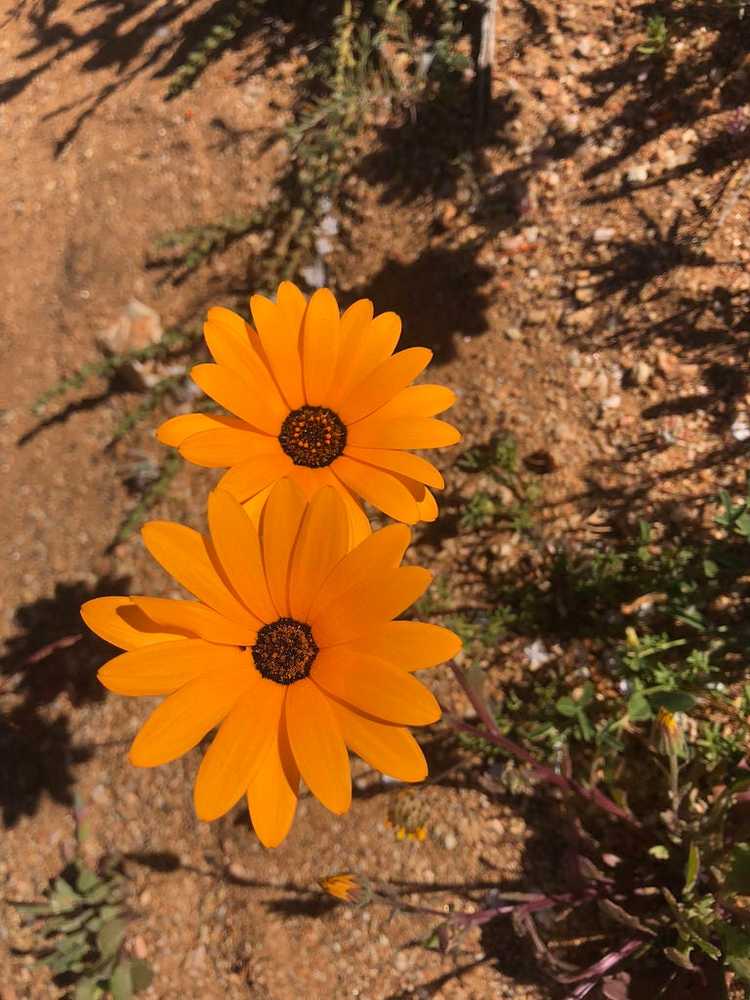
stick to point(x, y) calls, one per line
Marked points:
point(542, 771)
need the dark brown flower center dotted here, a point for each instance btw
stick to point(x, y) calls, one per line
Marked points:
point(313, 436)
point(284, 651)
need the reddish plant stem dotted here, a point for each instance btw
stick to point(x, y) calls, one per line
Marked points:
point(493, 735)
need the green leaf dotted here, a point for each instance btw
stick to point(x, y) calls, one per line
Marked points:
point(86, 880)
point(710, 569)
point(86, 989)
point(738, 876)
point(121, 983)
point(659, 851)
point(680, 958)
point(639, 708)
point(110, 937)
point(737, 951)
point(691, 869)
point(141, 973)
point(673, 701)
point(566, 706)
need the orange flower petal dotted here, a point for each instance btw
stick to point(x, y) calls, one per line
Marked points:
point(388, 748)
point(258, 402)
point(192, 616)
point(280, 338)
point(420, 432)
point(402, 462)
point(366, 348)
point(228, 446)
point(279, 526)
point(254, 506)
point(409, 645)
point(379, 488)
point(237, 546)
point(166, 667)
point(359, 523)
point(273, 790)
point(293, 303)
point(178, 429)
point(119, 621)
point(312, 480)
point(375, 687)
point(318, 746)
point(417, 401)
point(355, 319)
point(322, 542)
point(427, 507)
point(244, 481)
point(238, 748)
point(185, 555)
point(184, 718)
point(379, 552)
point(381, 385)
point(230, 344)
point(321, 335)
point(366, 607)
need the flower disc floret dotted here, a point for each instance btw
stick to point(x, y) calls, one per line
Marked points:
point(284, 651)
point(313, 436)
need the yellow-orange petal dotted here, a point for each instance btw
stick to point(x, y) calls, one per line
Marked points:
point(237, 546)
point(321, 335)
point(119, 621)
point(258, 405)
point(224, 446)
point(196, 618)
point(375, 687)
point(279, 336)
point(427, 507)
point(166, 667)
point(368, 606)
point(254, 506)
point(228, 338)
point(184, 718)
point(378, 553)
point(419, 432)
point(322, 542)
point(273, 790)
point(402, 462)
point(380, 488)
point(381, 385)
point(366, 348)
point(318, 746)
point(410, 645)
point(312, 480)
point(417, 401)
point(185, 555)
point(238, 748)
point(176, 430)
point(279, 527)
point(388, 748)
point(244, 481)
point(293, 303)
point(354, 320)
point(359, 523)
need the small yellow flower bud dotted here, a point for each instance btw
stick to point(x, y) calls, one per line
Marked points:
point(669, 734)
point(344, 886)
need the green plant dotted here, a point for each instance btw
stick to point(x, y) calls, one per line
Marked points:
point(513, 501)
point(80, 927)
point(657, 37)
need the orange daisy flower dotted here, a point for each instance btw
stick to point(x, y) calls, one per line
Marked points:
point(320, 398)
point(290, 648)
